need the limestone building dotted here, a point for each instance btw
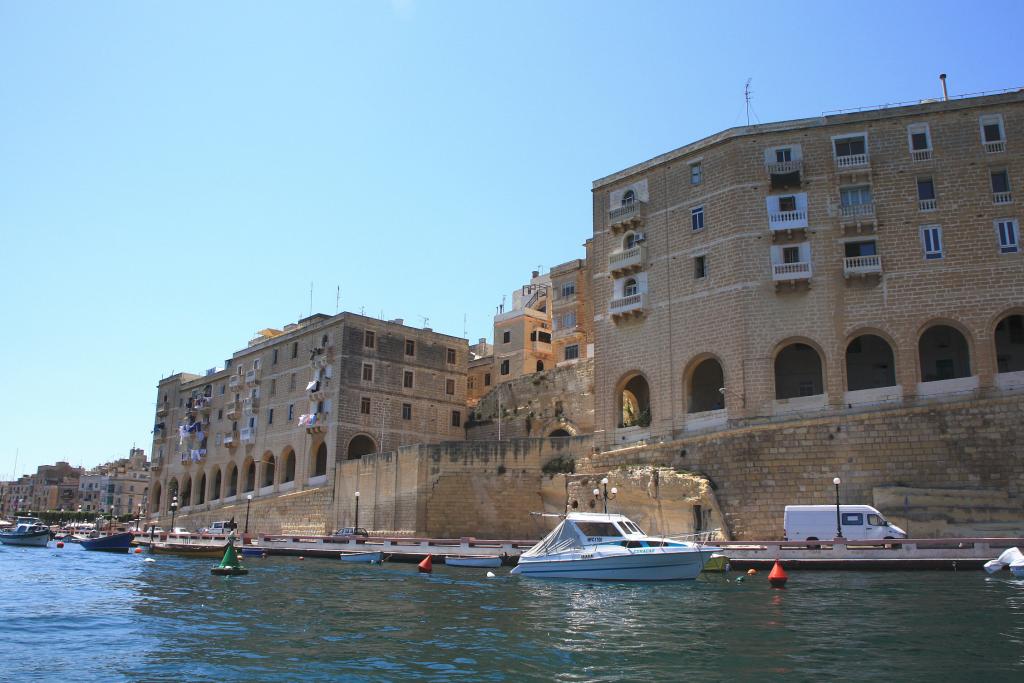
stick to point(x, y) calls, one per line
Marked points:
point(522, 331)
point(284, 410)
point(572, 314)
point(120, 486)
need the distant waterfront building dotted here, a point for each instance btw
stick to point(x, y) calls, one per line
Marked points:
point(296, 401)
point(120, 486)
point(826, 264)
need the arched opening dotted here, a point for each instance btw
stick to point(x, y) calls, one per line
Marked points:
point(172, 489)
point(250, 475)
point(869, 363)
point(1010, 344)
point(635, 403)
point(289, 466)
point(201, 490)
point(359, 446)
point(154, 501)
point(320, 461)
point(798, 372)
point(943, 354)
point(706, 383)
point(630, 240)
point(628, 197)
point(630, 287)
point(232, 480)
point(540, 366)
point(269, 467)
point(215, 489)
point(557, 433)
point(185, 497)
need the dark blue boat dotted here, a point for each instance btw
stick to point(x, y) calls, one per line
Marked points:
point(115, 543)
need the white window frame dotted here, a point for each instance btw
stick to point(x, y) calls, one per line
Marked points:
point(1012, 244)
point(936, 232)
point(986, 119)
point(565, 354)
point(698, 166)
point(697, 216)
point(914, 128)
point(847, 136)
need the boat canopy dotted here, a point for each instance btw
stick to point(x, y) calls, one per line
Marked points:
point(562, 539)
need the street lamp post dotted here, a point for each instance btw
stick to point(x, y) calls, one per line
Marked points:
point(357, 510)
point(605, 495)
point(248, 502)
point(174, 511)
point(839, 522)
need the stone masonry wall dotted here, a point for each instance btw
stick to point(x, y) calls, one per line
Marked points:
point(301, 512)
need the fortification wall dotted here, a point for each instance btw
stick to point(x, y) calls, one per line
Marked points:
point(301, 512)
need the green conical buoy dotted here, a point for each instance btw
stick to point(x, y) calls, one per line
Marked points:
point(229, 564)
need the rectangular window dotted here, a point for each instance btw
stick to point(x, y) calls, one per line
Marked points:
point(273, 387)
point(787, 203)
point(783, 154)
point(697, 218)
point(569, 320)
point(1000, 181)
point(220, 413)
point(506, 336)
point(991, 128)
point(1007, 231)
point(222, 389)
point(791, 254)
point(369, 339)
point(696, 173)
point(407, 379)
point(504, 367)
point(451, 356)
point(406, 411)
point(572, 352)
point(920, 140)
point(449, 387)
point(410, 347)
point(364, 406)
point(456, 418)
point(270, 416)
point(853, 519)
point(295, 349)
point(855, 196)
point(931, 240)
point(700, 266)
point(291, 412)
point(845, 147)
point(367, 372)
point(866, 248)
point(291, 383)
point(568, 289)
point(273, 358)
point(487, 379)
point(925, 189)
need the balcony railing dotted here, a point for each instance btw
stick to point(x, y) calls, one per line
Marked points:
point(995, 147)
point(787, 220)
point(927, 204)
point(627, 260)
point(252, 376)
point(249, 405)
point(540, 347)
point(230, 440)
point(235, 382)
point(633, 304)
point(783, 272)
point(162, 410)
point(232, 410)
point(784, 167)
point(623, 217)
point(862, 265)
point(854, 213)
point(1002, 198)
point(201, 403)
point(849, 161)
point(921, 154)
point(565, 331)
point(248, 434)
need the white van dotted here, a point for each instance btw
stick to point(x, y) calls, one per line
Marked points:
point(818, 522)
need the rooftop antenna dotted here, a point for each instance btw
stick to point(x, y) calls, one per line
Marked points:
point(337, 301)
point(464, 333)
point(362, 310)
point(311, 298)
point(746, 97)
point(426, 320)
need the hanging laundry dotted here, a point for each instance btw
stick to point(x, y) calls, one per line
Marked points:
point(313, 386)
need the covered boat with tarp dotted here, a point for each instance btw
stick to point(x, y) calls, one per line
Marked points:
point(587, 545)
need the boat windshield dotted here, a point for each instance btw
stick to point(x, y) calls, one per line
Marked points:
point(598, 529)
point(631, 528)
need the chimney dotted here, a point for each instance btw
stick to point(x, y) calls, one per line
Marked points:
point(536, 273)
point(945, 93)
point(483, 340)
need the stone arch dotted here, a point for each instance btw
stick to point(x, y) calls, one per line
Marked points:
point(268, 470)
point(943, 352)
point(185, 497)
point(232, 480)
point(172, 488)
point(288, 465)
point(870, 361)
point(319, 461)
point(201, 489)
point(799, 369)
point(1008, 338)
point(249, 475)
point(360, 445)
point(154, 500)
point(216, 484)
point(560, 432)
point(540, 366)
point(633, 401)
point(704, 380)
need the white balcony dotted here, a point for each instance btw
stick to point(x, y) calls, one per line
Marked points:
point(230, 440)
point(252, 377)
point(921, 154)
point(232, 410)
point(784, 167)
point(857, 213)
point(249, 405)
point(851, 161)
point(787, 220)
point(862, 265)
point(627, 260)
point(1002, 198)
point(632, 305)
point(791, 272)
point(927, 204)
point(624, 217)
point(995, 147)
point(248, 434)
point(235, 382)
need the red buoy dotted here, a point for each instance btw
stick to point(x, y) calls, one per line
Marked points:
point(427, 565)
point(60, 544)
point(138, 550)
point(777, 577)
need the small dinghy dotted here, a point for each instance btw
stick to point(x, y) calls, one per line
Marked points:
point(1012, 558)
point(363, 556)
point(113, 543)
point(229, 564)
point(473, 560)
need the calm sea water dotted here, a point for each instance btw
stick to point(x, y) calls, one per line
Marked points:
point(72, 615)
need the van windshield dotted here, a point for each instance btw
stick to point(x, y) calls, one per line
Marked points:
point(876, 520)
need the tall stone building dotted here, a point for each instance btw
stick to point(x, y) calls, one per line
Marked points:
point(826, 265)
point(285, 409)
point(120, 487)
point(522, 331)
point(572, 313)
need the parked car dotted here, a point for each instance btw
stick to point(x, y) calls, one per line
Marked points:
point(351, 531)
point(218, 527)
point(818, 522)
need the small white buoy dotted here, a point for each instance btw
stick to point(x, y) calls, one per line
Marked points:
point(490, 575)
point(149, 559)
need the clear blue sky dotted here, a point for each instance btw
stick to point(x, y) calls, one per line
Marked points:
point(174, 175)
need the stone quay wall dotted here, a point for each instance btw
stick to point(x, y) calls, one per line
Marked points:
point(301, 512)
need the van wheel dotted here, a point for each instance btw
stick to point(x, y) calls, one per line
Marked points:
point(812, 546)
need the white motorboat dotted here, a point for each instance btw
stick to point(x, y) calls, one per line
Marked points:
point(28, 531)
point(1012, 558)
point(473, 560)
point(588, 545)
point(363, 556)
